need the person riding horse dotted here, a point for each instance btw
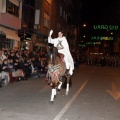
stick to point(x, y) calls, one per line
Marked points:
point(56, 74)
point(63, 48)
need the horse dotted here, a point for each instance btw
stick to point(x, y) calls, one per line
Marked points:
point(57, 76)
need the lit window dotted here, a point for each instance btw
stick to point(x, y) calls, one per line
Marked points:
point(12, 9)
point(46, 20)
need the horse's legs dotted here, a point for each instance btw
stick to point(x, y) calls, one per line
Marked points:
point(68, 81)
point(59, 86)
point(53, 94)
point(67, 89)
point(49, 79)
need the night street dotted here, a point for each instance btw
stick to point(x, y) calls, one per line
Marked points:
point(94, 95)
point(57, 39)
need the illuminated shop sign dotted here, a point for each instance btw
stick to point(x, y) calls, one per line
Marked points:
point(81, 45)
point(93, 43)
point(101, 38)
point(106, 27)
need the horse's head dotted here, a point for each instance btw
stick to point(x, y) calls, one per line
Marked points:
point(52, 54)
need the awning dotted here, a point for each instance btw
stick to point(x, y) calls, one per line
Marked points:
point(2, 33)
point(10, 34)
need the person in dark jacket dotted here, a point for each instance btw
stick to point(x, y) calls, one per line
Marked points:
point(5, 66)
point(4, 78)
point(27, 68)
point(16, 64)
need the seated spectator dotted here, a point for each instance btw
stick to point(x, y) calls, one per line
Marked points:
point(27, 68)
point(16, 64)
point(2, 55)
point(43, 69)
point(13, 56)
point(21, 63)
point(4, 75)
point(10, 65)
point(5, 66)
point(35, 67)
point(18, 73)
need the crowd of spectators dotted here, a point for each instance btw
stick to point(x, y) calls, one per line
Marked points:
point(97, 59)
point(17, 65)
point(103, 60)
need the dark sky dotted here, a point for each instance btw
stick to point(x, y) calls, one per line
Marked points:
point(96, 12)
point(100, 11)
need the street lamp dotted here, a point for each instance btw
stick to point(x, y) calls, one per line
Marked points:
point(111, 33)
point(84, 25)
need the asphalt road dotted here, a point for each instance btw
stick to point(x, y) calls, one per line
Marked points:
point(94, 95)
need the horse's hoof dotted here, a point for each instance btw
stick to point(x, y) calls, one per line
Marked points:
point(51, 102)
point(54, 96)
point(58, 91)
point(66, 92)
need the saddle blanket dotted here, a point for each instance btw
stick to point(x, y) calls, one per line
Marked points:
point(55, 68)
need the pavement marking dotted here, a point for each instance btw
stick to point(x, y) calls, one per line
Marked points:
point(114, 92)
point(60, 114)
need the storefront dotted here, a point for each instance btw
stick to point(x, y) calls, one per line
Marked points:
point(26, 45)
point(40, 46)
point(39, 41)
point(9, 38)
point(2, 38)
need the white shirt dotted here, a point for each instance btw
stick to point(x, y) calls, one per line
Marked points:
point(68, 58)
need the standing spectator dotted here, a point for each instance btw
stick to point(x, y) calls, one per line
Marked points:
point(2, 55)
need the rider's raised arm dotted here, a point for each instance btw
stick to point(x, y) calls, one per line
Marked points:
point(51, 40)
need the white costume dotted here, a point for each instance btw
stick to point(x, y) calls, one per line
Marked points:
point(65, 51)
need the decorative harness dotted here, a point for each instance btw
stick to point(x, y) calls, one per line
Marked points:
point(54, 70)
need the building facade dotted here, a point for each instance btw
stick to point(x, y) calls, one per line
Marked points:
point(10, 22)
point(55, 15)
point(35, 18)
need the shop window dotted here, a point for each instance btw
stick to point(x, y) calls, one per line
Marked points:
point(6, 43)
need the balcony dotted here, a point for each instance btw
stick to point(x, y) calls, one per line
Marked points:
point(10, 21)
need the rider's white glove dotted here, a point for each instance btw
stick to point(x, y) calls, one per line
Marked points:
point(51, 32)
